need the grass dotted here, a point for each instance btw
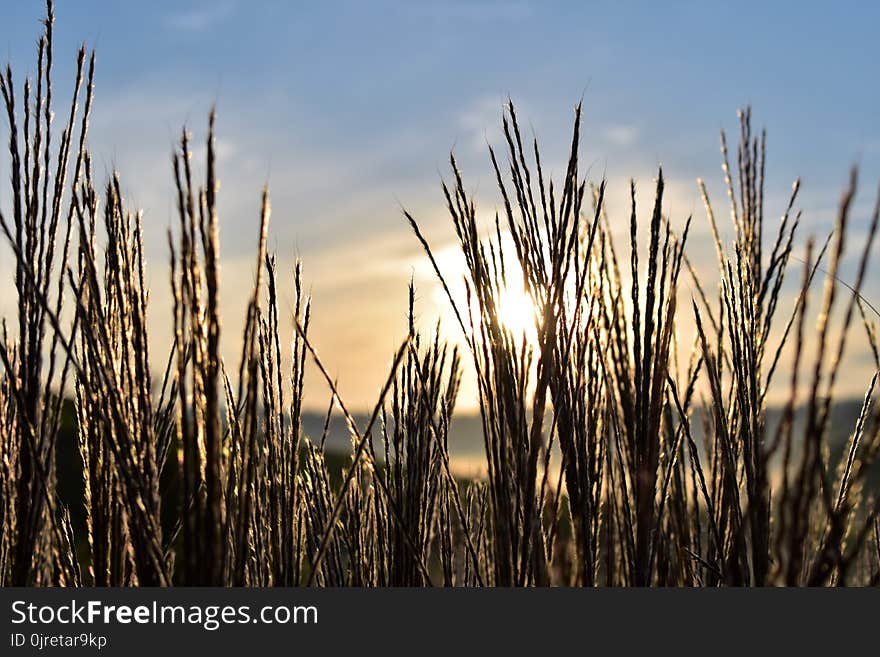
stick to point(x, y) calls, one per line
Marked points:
point(616, 455)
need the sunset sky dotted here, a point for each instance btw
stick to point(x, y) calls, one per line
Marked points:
point(349, 110)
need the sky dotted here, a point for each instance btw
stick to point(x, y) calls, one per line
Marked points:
point(348, 111)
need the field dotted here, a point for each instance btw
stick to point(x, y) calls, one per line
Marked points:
point(613, 451)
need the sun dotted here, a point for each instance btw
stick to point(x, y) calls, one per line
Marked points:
point(515, 307)
point(517, 313)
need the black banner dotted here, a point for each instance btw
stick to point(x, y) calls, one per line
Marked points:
point(212, 621)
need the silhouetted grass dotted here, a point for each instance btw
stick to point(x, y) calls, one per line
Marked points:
point(615, 454)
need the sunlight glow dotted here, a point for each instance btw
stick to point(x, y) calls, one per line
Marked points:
point(517, 311)
point(516, 308)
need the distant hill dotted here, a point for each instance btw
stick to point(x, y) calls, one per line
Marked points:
point(466, 434)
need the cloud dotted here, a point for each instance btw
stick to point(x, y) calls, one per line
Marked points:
point(199, 19)
point(621, 135)
point(479, 117)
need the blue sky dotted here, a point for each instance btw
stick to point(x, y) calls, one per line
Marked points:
point(349, 110)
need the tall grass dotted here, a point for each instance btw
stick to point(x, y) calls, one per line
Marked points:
point(616, 454)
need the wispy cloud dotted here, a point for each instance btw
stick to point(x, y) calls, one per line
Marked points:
point(200, 18)
point(621, 135)
point(477, 118)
